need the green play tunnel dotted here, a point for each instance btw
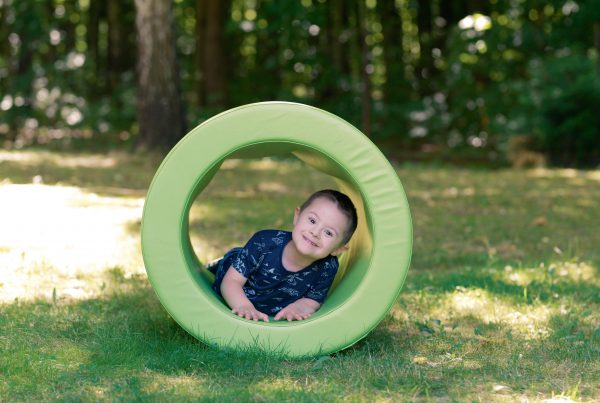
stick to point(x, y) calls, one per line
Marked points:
point(371, 273)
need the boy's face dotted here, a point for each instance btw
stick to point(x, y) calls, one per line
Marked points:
point(319, 230)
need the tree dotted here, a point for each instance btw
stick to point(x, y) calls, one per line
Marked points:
point(92, 40)
point(211, 51)
point(361, 19)
point(425, 27)
point(160, 109)
point(396, 84)
point(119, 57)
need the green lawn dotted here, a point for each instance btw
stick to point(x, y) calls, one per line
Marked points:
point(502, 301)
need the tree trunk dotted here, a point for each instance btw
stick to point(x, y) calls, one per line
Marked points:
point(597, 42)
point(451, 12)
point(477, 6)
point(5, 51)
point(199, 54)
point(396, 86)
point(335, 32)
point(68, 26)
point(160, 110)
point(210, 52)
point(268, 67)
point(364, 68)
point(92, 36)
point(332, 45)
point(345, 40)
point(425, 65)
point(119, 40)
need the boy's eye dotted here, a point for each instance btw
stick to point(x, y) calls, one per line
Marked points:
point(328, 233)
point(312, 220)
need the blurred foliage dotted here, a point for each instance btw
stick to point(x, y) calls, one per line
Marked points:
point(569, 101)
point(438, 77)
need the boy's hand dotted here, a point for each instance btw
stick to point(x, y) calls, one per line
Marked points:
point(298, 310)
point(250, 312)
point(233, 293)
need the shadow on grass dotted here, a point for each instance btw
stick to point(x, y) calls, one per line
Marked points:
point(123, 345)
point(539, 284)
point(113, 174)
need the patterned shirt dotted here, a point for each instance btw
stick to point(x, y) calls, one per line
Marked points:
point(270, 287)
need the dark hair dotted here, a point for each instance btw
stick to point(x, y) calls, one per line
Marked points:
point(344, 204)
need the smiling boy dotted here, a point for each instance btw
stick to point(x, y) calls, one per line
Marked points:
point(288, 274)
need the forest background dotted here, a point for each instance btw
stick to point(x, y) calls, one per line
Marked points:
point(504, 81)
point(502, 300)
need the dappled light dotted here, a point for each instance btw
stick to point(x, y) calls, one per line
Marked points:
point(488, 112)
point(518, 218)
point(282, 166)
point(564, 173)
point(111, 174)
point(529, 322)
point(501, 300)
point(56, 240)
point(86, 161)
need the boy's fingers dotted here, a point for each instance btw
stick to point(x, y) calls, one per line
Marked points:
point(290, 315)
point(254, 315)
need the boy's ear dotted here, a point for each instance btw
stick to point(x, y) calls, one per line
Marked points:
point(296, 214)
point(340, 250)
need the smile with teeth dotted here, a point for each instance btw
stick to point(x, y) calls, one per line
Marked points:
point(309, 241)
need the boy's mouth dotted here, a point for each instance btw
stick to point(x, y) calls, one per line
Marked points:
point(309, 241)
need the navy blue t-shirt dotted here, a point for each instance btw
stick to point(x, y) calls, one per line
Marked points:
point(270, 287)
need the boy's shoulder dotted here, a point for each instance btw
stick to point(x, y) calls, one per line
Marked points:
point(271, 237)
point(330, 263)
point(271, 233)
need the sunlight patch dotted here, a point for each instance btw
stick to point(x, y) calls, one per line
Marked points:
point(206, 252)
point(61, 160)
point(260, 164)
point(531, 320)
point(594, 175)
point(576, 271)
point(158, 382)
point(564, 173)
point(276, 187)
point(51, 234)
point(278, 385)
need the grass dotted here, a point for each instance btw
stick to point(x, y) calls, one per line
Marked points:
point(502, 301)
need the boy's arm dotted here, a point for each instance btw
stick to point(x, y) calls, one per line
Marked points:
point(231, 289)
point(298, 310)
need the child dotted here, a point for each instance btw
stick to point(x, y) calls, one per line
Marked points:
point(288, 274)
